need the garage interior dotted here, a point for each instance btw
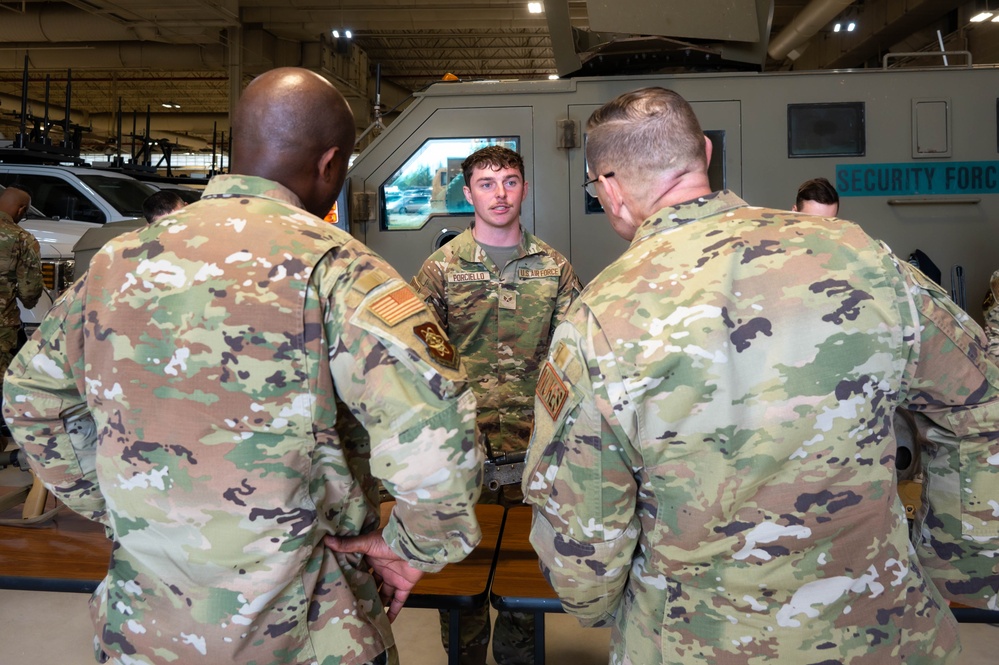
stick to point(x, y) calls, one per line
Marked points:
point(183, 64)
point(173, 71)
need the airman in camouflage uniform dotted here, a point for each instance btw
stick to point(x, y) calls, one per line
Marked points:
point(712, 466)
point(498, 292)
point(251, 371)
point(20, 270)
point(991, 310)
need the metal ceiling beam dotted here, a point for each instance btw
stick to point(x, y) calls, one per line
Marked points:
point(884, 29)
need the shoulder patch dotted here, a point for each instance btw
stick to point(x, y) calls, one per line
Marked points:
point(370, 280)
point(396, 305)
point(438, 345)
point(561, 354)
point(551, 391)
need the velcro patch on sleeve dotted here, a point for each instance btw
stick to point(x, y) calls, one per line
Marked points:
point(396, 305)
point(370, 280)
point(438, 346)
point(551, 391)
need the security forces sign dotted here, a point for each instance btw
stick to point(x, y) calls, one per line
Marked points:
point(917, 179)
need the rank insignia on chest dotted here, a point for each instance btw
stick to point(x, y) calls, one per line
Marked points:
point(396, 305)
point(551, 392)
point(508, 300)
point(439, 347)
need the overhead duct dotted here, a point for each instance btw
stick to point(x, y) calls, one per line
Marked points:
point(815, 16)
point(197, 123)
point(121, 55)
point(10, 103)
point(62, 24)
point(171, 126)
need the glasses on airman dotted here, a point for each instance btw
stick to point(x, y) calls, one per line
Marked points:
point(591, 185)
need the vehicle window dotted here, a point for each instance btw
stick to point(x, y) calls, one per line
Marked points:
point(826, 130)
point(124, 194)
point(187, 195)
point(430, 182)
point(57, 198)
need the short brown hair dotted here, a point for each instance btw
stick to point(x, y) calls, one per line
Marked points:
point(819, 190)
point(651, 130)
point(493, 156)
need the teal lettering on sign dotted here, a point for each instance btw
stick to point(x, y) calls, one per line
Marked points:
point(922, 179)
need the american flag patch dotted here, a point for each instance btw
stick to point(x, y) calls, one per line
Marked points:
point(397, 305)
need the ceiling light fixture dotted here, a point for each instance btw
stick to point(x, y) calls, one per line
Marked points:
point(553, 77)
point(851, 26)
point(981, 16)
point(534, 7)
point(170, 105)
point(342, 36)
point(837, 26)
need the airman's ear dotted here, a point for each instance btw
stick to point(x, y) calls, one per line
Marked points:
point(613, 199)
point(328, 164)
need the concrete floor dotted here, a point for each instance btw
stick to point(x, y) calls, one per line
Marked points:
point(47, 628)
point(54, 629)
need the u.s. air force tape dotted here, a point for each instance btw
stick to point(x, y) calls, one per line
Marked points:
point(438, 346)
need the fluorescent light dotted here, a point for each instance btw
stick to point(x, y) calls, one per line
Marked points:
point(851, 26)
point(348, 34)
point(995, 19)
point(553, 77)
point(978, 18)
point(534, 7)
point(336, 34)
point(836, 27)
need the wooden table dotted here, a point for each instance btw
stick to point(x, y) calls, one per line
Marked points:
point(69, 553)
point(462, 585)
point(518, 585)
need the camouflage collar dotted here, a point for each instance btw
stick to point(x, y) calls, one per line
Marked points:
point(227, 186)
point(673, 216)
point(469, 250)
point(5, 218)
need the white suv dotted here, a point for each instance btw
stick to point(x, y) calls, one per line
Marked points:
point(56, 238)
point(66, 203)
point(79, 193)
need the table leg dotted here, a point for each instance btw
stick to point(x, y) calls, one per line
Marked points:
point(454, 637)
point(539, 638)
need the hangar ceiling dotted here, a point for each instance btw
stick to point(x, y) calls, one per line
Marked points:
point(198, 54)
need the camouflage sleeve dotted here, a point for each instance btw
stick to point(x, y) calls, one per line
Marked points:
point(991, 311)
point(956, 386)
point(43, 386)
point(430, 285)
point(579, 474)
point(401, 378)
point(568, 290)
point(29, 273)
